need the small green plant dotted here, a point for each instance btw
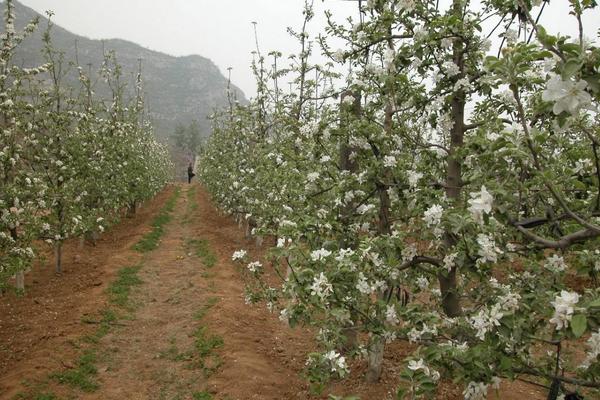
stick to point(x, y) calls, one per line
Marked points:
point(205, 343)
point(203, 251)
point(209, 304)
point(36, 396)
point(107, 320)
point(202, 396)
point(46, 396)
point(82, 376)
point(150, 241)
point(119, 290)
point(173, 354)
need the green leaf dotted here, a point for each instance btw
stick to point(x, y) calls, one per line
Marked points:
point(401, 393)
point(593, 82)
point(595, 303)
point(571, 68)
point(578, 325)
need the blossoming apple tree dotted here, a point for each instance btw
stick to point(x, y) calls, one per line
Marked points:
point(445, 196)
point(70, 160)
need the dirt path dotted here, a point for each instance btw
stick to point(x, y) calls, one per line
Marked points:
point(185, 305)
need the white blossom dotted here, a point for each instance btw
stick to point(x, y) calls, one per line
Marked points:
point(391, 317)
point(415, 365)
point(312, 176)
point(389, 57)
point(555, 263)
point(254, 266)
point(484, 321)
point(433, 215)
point(408, 5)
point(568, 96)
point(409, 252)
point(480, 203)
point(364, 208)
point(413, 178)
point(564, 306)
point(449, 261)
point(389, 161)
point(239, 255)
point(337, 362)
point(321, 287)
point(509, 302)
point(320, 254)
point(422, 283)
point(339, 56)
point(488, 251)
point(593, 344)
point(476, 391)
point(450, 68)
point(363, 285)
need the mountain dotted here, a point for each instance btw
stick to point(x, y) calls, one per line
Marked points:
point(177, 89)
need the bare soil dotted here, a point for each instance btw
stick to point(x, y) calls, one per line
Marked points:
point(152, 354)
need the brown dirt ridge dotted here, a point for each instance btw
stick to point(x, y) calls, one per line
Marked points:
point(189, 334)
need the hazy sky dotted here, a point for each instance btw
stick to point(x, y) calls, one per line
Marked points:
point(218, 29)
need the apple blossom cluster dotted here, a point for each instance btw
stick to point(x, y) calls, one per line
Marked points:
point(564, 307)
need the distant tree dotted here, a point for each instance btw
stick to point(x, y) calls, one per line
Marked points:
point(194, 137)
point(179, 136)
point(188, 138)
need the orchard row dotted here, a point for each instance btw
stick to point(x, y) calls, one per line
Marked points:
point(70, 162)
point(448, 196)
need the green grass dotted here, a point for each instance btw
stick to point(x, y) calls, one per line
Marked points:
point(202, 250)
point(151, 240)
point(108, 318)
point(192, 205)
point(36, 396)
point(45, 396)
point(82, 376)
point(202, 396)
point(173, 354)
point(119, 290)
point(209, 304)
point(202, 355)
point(205, 343)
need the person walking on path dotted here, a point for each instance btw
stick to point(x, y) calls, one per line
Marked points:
point(191, 173)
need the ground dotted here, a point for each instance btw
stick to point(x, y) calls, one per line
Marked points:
point(133, 319)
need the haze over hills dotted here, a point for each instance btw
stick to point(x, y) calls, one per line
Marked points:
point(177, 89)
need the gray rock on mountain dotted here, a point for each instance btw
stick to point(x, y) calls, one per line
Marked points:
point(177, 89)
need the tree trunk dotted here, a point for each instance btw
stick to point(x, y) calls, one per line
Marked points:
point(58, 256)
point(375, 360)
point(348, 163)
point(20, 275)
point(250, 225)
point(20, 281)
point(131, 209)
point(448, 283)
point(288, 275)
point(377, 348)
